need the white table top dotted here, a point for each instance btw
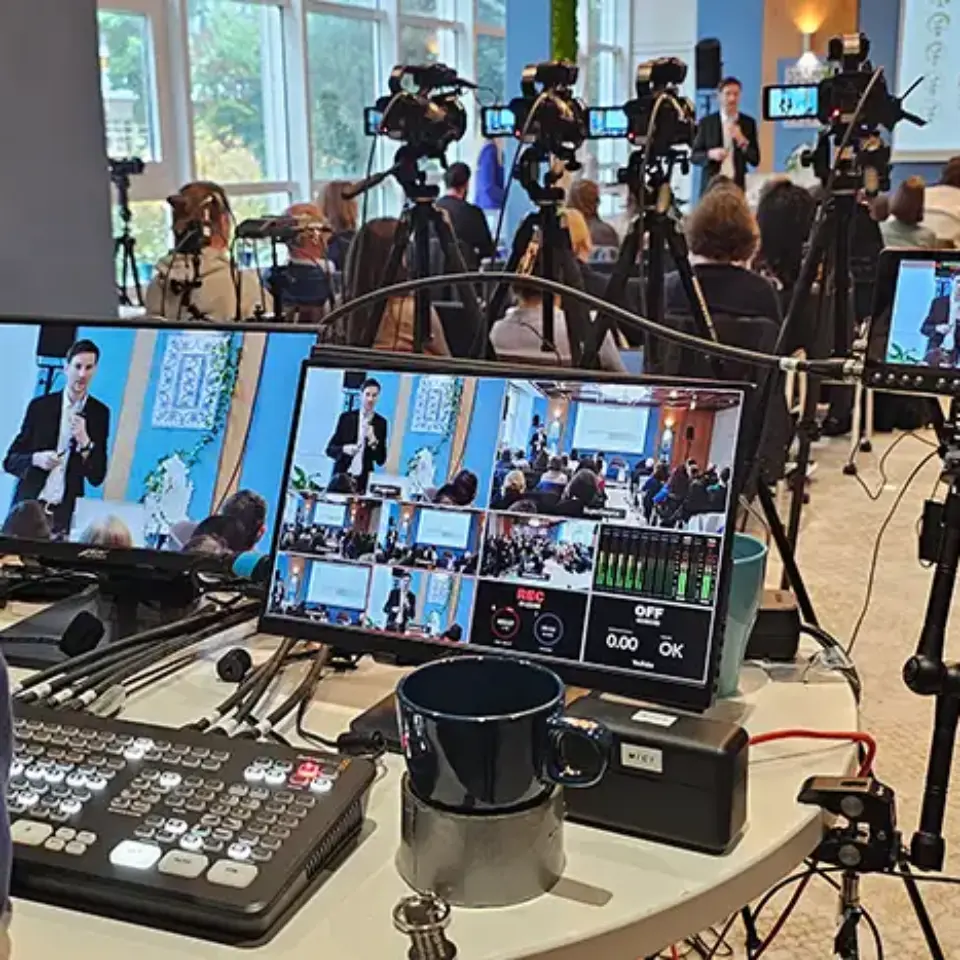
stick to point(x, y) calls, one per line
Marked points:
point(619, 898)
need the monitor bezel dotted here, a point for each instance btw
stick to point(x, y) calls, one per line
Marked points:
point(112, 559)
point(880, 373)
point(666, 692)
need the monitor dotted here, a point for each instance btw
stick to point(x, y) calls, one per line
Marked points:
point(144, 444)
point(582, 520)
point(914, 341)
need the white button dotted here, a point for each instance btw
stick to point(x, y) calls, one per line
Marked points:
point(30, 833)
point(55, 844)
point(133, 854)
point(177, 827)
point(53, 777)
point(239, 851)
point(321, 785)
point(34, 773)
point(181, 863)
point(191, 842)
point(275, 777)
point(75, 848)
point(96, 783)
point(67, 833)
point(253, 774)
point(16, 768)
point(133, 753)
point(169, 780)
point(228, 873)
point(76, 780)
point(70, 806)
point(85, 836)
point(29, 799)
point(144, 743)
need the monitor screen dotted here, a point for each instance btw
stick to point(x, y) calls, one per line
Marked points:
point(163, 439)
point(925, 325)
point(584, 523)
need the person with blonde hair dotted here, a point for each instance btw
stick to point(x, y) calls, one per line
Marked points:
point(342, 215)
point(584, 195)
point(304, 285)
point(904, 227)
point(109, 531)
point(198, 279)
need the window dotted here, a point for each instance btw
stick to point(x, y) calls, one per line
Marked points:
point(342, 80)
point(492, 13)
point(422, 44)
point(442, 9)
point(492, 68)
point(127, 85)
point(237, 89)
point(151, 228)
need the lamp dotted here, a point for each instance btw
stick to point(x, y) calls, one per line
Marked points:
point(808, 66)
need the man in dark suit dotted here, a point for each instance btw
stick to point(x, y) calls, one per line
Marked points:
point(468, 220)
point(62, 443)
point(936, 327)
point(726, 142)
point(401, 605)
point(360, 440)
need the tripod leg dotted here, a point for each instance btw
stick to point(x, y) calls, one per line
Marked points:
point(920, 909)
point(677, 246)
point(373, 317)
point(557, 242)
point(422, 329)
point(521, 240)
point(468, 295)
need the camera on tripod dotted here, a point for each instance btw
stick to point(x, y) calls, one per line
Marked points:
point(125, 167)
point(428, 119)
point(658, 92)
point(546, 113)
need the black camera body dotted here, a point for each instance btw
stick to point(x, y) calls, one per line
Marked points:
point(658, 89)
point(431, 117)
point(126, 167)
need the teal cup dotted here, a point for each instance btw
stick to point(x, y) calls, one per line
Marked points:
point(746, 590)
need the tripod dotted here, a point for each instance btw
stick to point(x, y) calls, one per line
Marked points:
point(125, 245)
point(421, 219)
point(657, 223)
point(554, 253)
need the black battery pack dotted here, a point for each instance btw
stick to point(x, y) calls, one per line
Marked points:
point(675, 778)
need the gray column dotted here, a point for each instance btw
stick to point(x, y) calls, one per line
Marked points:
point(55, 236)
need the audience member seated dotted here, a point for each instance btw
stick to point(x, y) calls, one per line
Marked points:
point(206, 543)
point(513, 489)
point(584, 196)
point(905, 227)
point(342, 216)
point(187, 286)
point(519, 335)
point(581, 492)
point(387, 326)
point(785, 216)
point(305, 282)
point(651, 488)
point(109, 531)
point(554, 480)
point(28, 520)
point(593, 282)
point(942, 206)
point(468, 221)
point(229, 530)
point(249, 510)
point(461, 491)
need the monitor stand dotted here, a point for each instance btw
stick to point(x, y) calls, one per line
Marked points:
point(125, 602)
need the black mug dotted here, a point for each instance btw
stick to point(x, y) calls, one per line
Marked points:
point(489, 735)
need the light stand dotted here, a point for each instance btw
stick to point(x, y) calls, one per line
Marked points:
point(125, 245)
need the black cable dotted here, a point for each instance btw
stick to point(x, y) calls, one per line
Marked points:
point(722, 937)
point(883, 461)
point(304, 690)
point(272, 669)
point(871, 923)
point(161, 672)
point(27, 582)
point(829, 644)
point(784, 915)
point(876, 549)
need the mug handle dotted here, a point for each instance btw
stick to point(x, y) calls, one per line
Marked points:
point(591, 732)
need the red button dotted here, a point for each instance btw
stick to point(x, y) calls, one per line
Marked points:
point(308, 769)
point(299, 780)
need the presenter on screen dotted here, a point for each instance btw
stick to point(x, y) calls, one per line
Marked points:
point(942, 320)
point(726, 142)
point(360, 441)
point(401, 605)
point(62, 443)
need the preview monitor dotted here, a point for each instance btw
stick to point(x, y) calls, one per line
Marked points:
point(151, 444)
point(914, 342)
point(582, 520)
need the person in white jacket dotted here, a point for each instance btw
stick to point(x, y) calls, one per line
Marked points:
point(197, 280)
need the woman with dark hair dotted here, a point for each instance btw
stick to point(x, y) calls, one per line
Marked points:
point(785, 216)
point(584, 195)
point(388, 326)
point(341, 214)
point(27, 521)
point(582, 491)
point(198, 279)
point(904, 228)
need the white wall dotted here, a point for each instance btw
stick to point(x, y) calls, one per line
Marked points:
point(724, 437)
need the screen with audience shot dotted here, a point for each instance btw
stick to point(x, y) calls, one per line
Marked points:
point(925, 323)
point(582, 523)
point(162, 438)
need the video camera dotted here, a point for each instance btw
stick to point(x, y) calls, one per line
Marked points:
point(865, 161)
point(429, 118)
point(658, 89)
point(125, 167)
point(281, 229)
point(546, 113)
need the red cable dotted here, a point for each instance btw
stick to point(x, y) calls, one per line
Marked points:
point(674, 952)
point(870, 745)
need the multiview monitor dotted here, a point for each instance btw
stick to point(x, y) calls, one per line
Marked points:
point(144, 444)
point(580, 520)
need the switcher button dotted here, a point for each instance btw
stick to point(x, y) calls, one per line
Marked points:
point(229, 873)
point(30, 833)
point(181, 863)
point(135, 855)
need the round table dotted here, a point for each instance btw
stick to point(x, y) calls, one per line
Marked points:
point(620, 897)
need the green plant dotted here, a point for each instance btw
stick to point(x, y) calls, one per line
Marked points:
point(304, 483)
point(563, 29)
point(225, 369)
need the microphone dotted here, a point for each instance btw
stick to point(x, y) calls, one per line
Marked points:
point(82, 634)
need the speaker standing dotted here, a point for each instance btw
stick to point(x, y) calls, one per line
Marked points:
point(726, 142)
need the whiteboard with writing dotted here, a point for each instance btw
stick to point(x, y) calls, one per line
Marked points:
point(929, 48)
